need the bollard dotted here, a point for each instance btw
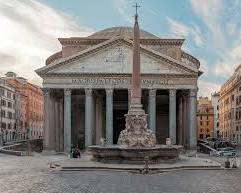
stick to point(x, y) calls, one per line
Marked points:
point(146, 167)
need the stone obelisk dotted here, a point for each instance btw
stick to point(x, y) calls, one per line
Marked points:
point(136, 133)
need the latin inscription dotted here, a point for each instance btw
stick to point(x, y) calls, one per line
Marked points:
point(119, 82)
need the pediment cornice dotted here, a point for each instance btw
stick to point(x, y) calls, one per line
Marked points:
point(112, 42)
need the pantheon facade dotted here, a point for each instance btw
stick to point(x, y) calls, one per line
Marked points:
point(87, 87)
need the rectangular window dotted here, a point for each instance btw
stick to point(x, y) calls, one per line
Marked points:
point(207, 122)
point(3, 125)
point(9, 105)
point(10, 115)
point(201, 123)
point(9, 95)
point(3, 103)
point(207, 117)
point(1, 92)
point(3, 113)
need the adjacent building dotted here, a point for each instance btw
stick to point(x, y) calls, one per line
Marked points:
point(7, 111)
point(29, 107)
point(230, 107)
point(87, 86)
point(205, 118)
point(215, 103)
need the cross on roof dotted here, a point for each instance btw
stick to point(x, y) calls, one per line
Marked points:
point(136, 6)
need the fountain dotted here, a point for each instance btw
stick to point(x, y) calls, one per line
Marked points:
point(136, 142)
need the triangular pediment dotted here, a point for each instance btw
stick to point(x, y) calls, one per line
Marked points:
point(116, 58)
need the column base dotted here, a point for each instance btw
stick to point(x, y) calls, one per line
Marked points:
point(49, 152)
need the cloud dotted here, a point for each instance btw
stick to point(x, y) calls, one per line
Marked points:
point(206, 88)
point(29, 33)
point(225, 66)
point(183, 31)
point(210, 12)
point(122, 6)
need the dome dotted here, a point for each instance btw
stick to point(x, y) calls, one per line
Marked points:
point(121, 31)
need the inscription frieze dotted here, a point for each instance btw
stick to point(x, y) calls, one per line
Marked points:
point(119, 82)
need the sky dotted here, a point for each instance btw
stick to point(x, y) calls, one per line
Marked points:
point(211, 28)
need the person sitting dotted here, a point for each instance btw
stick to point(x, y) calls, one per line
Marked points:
point(75, 152)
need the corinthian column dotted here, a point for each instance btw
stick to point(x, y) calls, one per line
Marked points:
point(152, 110)
point(193, 119)
point(109, 116)
point(46, 129)
point(172, 116)
point(88, 117)
point(67, 120)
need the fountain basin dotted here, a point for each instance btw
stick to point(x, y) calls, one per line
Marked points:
point(135, 155)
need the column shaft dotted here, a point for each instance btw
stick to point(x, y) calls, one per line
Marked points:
point(109, 116)
point(57, 125)
point(46, 129)
point(88, 117)
point(193, 119)
point(67, 120)
point(98, 116)
point(152, 110)
point(184, 121)
point(129, 98)
point(61, 123)
point(180, 121)
point(172, 116)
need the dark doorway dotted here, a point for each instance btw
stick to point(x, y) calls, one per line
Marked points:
point(120, 109)
point(118, 123)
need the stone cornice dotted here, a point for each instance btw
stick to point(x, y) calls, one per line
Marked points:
point(90, 41)
point(118, 75)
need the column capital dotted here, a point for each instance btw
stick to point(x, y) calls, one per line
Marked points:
point(88, 92)
point(67, 92)
point(109, 92)
point(46, 91)
point(172, 92)
point(152, 92)
point(193, 92)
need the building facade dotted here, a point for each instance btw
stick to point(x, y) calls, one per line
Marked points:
point(215, 103)
point(205, 118)
point(7, 109)
point(87, 89)
point(230, 107)
point(29, 107)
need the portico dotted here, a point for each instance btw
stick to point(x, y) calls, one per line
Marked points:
point(87, 92)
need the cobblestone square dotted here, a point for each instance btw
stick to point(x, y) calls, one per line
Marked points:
point(33, 175)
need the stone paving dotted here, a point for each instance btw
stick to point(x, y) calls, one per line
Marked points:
point(33, 175)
